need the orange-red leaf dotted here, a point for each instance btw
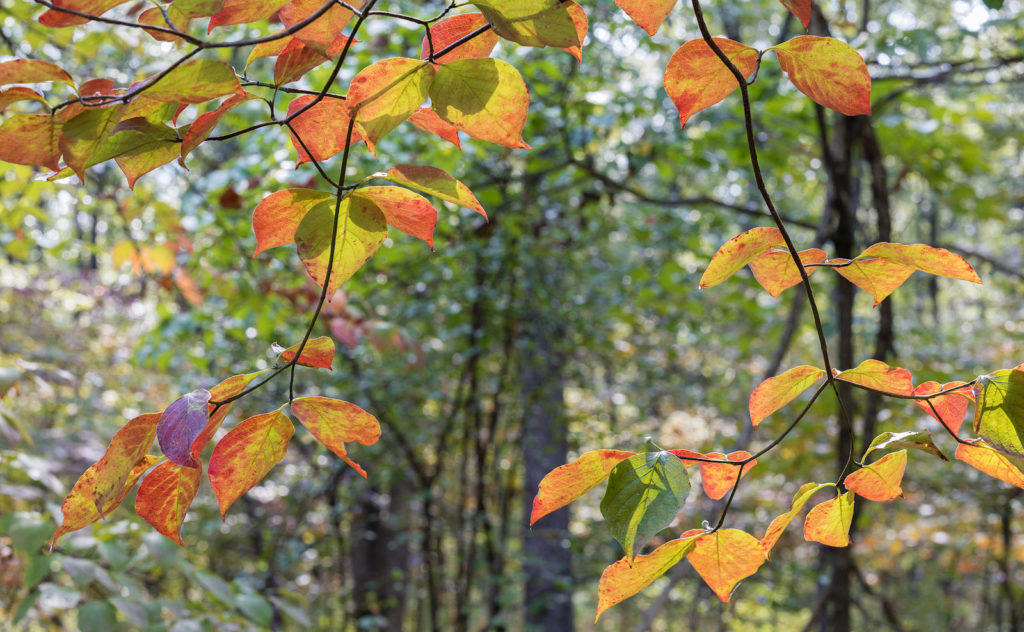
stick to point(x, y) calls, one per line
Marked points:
point(486, 98)
point(31, 139)
point(775, 392)
point(426, 119)
point(32, 71)
point(984, 457)
point(579, 18)
point(829, 71)
point(779, 524)
point(625, 578)
point(129, 445)
point(279, 214)
point(452, 29)
point(324, 33)
point(776, 272)
point(226, 389)
point(335, 422)
point(55, 18)
point(566, 483)
point(877, 277)
point(387, 93)
point(829, 522)
point(879, 481)
point(244, 12)
point(318, 353)
point(725, 557)
point(718, 478)
point(648, 14)
point(245, 455)
point(696, 78)
point(165, 496)
point(878, 375)
point(682, 454)
point(801, 9)
point(409, 212)
point(323, 128)
point(951, 407)
point(738, 252)
point(435, 182)
point(294, 61)
point(202, 127)
point(18, 93)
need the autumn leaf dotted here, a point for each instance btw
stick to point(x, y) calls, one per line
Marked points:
point(203, 126)
point(452, 29)
point(278, 215)
point(644, 494)
point(56, 18)
point(244, 12)
point(32, 71)
point(294, 61)
point(435, 182)
point(951, 407)
point(335, 422)
point(829, 71)
point(227, 389)
point(536, 23)
point(195, 81)
point(387, 93)
point(775, 392)
point(323, 34)
point(181, 423)
point(917, 440)
point(407, 211)
point(128, 446)
point(718, 479)
point(318, 353)
point(879, 376)
point(323, 127)
point(801, 9)
point(779, 524)
point(738, 252)
point(165, 496)
point(486, 98)
point(879, 481)
point(246, 454)
point(18, 93)
point(776, 271)
point(427, 120)
point(999, 414)
point(724, 558)
point(687, 462)
point(829, 522)
point(625, 578)
point(568, 482)
point(31, 139)
point(361, 229)
point(883, 267)
point(579, 18)
point(648, 14)
point(696, 78)
point(983, 457)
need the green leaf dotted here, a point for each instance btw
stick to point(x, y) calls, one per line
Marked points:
point(361, 231)
point(97, 616)
point(917, 440)
point(645, 492)
point(256, 608)
point(195, 82)
point(999, 416)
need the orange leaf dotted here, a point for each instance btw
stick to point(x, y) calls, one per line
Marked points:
point(245, 455)
point(566, 483)
point(323, 33)
point(829, 522)
point(718, 478)
point(648, 14)
point(452, 29)
point(884, 266)
point(31, 139)
point(776, 272)
point(386, 93)
point(625, 578)
point(982, 456)
point(486, 98)
point(801, 9)
point(881, 480)
point(409, 212)
point(775, 392)
point(696, 78)
point(55, 18)
point(318, 353)
point(579, 18)
point(878, 375)
point(952, 407)
point(829, 71)
point(738, 252)
point(779, 524)
point(725, 557)
point(335, 422)
point(202, 127)
point(877, 277)
point(228, 388)
point(428, 120)
point(682, 454)
point(435, 182)
point(32, 71)
point(18, 93)
point(279, 214)
point(165, 496)
point(244, 12)
point(323, 128)
point(128, 446)
point(294, 61)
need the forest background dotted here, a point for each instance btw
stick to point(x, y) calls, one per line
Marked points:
point(570, 321)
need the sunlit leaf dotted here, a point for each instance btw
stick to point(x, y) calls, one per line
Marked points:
point(203, 126)
point(568, 482)
point(776, 271)
point(18, 93)
point(195, 81)
point(724, 558)
point(879, 376)
point(361, 229)
point(244, 12)
point(181, 423)
point(738, 252)
point(279, 214)
point(999, 414)
point(294, 61)
point(128, 446)
point(454, 28)
point(435, 182)
point(409, 212)
point(97, 135)
point(627, 577)
point(951, 407)
point(648, 14)
point(579, 18)
point(829, 522)
point(801, 9)
point(644, 494)
point(883, 267)
point(486, 98)
point(536, 23)
point(683, 454)
point(165, 496)
point(323, 127)
point(917, 440)
point(246, 453)
point(32, 71)
point(879, 481)
point(779, 524)
point(982, 456)
point(718, 479)
point(335, 422)
point(427, 119)
point(829, 71)
point(323, 33)
point(387, 93)
point(775, 392)
point(318, 353)
point(696, 78)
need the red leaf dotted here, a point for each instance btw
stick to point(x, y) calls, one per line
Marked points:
point(31, 139)
point(318, 353)
point(294, 61)
point(335, 422)
point(879, 376)
point(54, 18)
point(324, 31)
point(725, 557)
point(18, 93)
point(486, 98)
point(452, 29)
point(165, 496)
point(244, 12)
point(879, 481)
point(279, 214)
point(738, 252)
point(32, 71)
point(428, 120)
point(566, 483)
point(801, 9)
point(682, 454)
point(829, 71)
point(779, 524)
point(952, 407)
point(625, 578)
point(407, 211)
point(776, 272)
point(982, 456)
point(203, 126)
point(648, 14)
point(386, 93)
point(435, 182)
point(181, 423)
point(246, 454)
point(718, 478)
point(323, 128)
point(829, 522)
point(776, 392)
point(696, 78)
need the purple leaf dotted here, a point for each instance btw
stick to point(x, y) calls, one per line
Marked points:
point(181, 423)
